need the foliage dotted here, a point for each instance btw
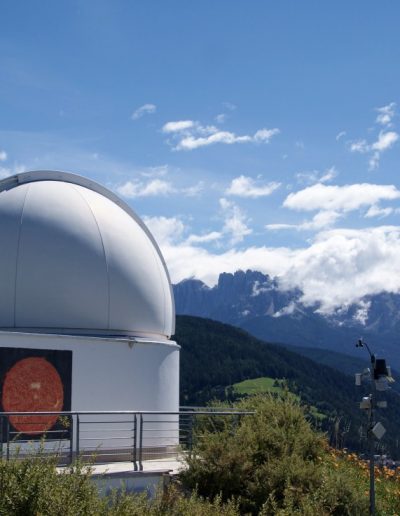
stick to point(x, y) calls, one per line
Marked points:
point(34, 487)
point(274, 463)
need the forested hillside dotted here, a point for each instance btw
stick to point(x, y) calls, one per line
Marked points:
point(215, 355)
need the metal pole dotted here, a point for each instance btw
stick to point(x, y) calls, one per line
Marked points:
point(71, 438)
point(77, 449)
point(141, 443)
point(371, 439)
point(135, 466)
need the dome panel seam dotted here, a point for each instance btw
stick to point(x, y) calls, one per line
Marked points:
point(104, 251)
point(18, 253)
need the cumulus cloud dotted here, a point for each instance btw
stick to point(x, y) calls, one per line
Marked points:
point(377, 211)
point(235, 221)
point(340, 198)
point(333, 202)
point(155, 187)
point(193, 191)
point(189, 135)
point(244, 186)
point(322, 219)
point(338, 267)
point(166, 230)
point(386, 114)
point(3, 155)
point(158, 171)
point(178, 126)
point(359, 146)
point(385, 141)
point(317, 177)
point(146, 109)
point(207, 237)
point(342, 266)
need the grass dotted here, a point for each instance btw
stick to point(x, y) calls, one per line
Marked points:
point(266, 384)
point(259, 385)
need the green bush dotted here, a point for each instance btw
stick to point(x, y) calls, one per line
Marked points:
point(273, 463)
point(35, 487)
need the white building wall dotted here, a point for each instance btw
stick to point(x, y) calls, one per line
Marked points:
point(113, 374)
point(117, 374)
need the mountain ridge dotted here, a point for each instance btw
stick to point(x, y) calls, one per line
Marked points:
point(255, 302)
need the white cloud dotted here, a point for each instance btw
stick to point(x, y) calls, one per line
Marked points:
point(201, 239)
point(193, 191)
point(339, 266)
point(226, 137)
point(3, 155)
point(342, 266)
point(190, 135)
point(333, 202)
point(340, 135)
point(165, 230)
point(340, 198)
point(146, 109)
point(386, 114)
point(359, 146)
point(244, 186)
point(377, 211)
point(10, 171)
point(220, 119)
point(361, 315)
point(155, 187)
point(385, 140)
point(178, 126)
point(321, 220)
point(279, 226)
point(317, 177)
point(158, 171)
point(235, 221)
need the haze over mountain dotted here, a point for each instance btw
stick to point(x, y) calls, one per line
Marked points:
point(255, 302)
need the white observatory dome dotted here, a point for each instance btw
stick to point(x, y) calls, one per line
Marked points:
point(74, 258)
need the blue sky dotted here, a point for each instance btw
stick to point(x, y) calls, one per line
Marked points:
point(257, 134)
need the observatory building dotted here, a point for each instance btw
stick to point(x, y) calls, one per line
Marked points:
point(86, 304)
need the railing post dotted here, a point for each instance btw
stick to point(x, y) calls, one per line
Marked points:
point(77, 450)
point(1, 436)
point(190, 434)
point(135, 467)
point(141, 443)
point(71, 438)
point(8, 437)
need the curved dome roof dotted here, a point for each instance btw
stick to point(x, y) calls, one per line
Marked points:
point(74, 258)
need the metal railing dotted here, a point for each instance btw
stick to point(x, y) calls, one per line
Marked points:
point(110, 436)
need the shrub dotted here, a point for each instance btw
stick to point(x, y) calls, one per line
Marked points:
point(34, 486)
point(274, 463)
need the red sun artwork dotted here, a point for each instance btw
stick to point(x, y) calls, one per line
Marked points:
point(32, 385)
